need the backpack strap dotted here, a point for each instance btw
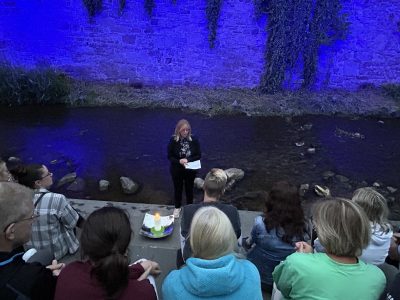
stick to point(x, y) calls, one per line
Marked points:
point(40, 198)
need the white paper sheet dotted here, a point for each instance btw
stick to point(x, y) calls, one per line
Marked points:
point(193, 165)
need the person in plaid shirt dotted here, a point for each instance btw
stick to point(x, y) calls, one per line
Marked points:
point(54, 228)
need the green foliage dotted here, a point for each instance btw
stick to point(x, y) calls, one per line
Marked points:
point(213, 10)
point(296, 29)
point(149, 6)
point(392, 90)
point(40, 86)
point(93, 6)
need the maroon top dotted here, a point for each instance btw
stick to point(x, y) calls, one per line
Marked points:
point(76, 283)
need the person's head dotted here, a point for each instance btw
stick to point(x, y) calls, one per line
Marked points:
point(211, 234)
point(16, 214)
point(283, 211)
point(34, 176)
point(183, 130)
point(214, 183)
point(5, 175)
point(105, 238)
point(342, 227)
point(374, 205)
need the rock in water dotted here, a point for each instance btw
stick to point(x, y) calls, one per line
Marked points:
point(70, 177)
point(234, 174)
point(198, 183)
point(104, 185)
point(128, 185)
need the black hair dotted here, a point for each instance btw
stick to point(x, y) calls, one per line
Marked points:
point(27, 175)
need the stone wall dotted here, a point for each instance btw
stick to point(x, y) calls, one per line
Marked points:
point(171, 47)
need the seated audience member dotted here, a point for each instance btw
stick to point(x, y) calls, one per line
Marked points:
point(18, 279)
point(5, 175)
point(54, 229)
point(275, 234)
point(344, 231)
point(214, 187)
point(375, 207)
point(393, 291)
point(105, 274)
point(214, 271)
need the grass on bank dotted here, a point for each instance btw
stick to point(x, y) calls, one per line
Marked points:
point(48, 86)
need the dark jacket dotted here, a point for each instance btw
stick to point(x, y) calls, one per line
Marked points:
point(21, 280)
point(174, 147)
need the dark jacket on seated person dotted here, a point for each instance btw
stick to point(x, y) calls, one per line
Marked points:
point(21, 280)
point(190, 210)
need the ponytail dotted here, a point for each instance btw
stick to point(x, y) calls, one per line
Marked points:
point(112, 272)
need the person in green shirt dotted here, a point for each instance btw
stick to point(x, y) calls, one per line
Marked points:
point(344, 230)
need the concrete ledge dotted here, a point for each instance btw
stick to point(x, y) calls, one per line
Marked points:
point(161, 250)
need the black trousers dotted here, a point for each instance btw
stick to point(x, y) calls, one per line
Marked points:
point(181, 176)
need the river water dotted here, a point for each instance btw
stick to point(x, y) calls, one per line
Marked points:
point(109, 142)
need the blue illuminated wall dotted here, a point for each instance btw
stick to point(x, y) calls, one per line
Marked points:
point(171, 47)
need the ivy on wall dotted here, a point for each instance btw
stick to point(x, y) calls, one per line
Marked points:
point(149, 6)
point(213, 10)
point(296, 29)
point(93, 6)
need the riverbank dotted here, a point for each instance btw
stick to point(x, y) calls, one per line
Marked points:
point(369, 101)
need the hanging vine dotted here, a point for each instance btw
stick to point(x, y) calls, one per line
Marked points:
point(93, 6)
point(296, 29)
point(213, 10)
point(149, 6)
point(122, 4)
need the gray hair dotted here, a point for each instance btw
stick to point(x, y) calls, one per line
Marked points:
point(15, 202)
point(215, 182)
point(211, 234)
point(374, 205)
point(342, 227)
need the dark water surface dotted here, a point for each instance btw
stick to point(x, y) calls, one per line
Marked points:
point(106, 143)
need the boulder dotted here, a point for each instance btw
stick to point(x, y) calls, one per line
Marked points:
point(342, 179)
point(70, 177)
point(234, 174)
point(128, 185)
point(198, 183)
point(104, 185)
point(391, 189)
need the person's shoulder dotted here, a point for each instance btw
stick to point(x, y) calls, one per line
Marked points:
point(225, 207)
point(191, 208)
point(372, 270)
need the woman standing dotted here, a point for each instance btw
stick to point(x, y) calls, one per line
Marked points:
point(183, 148)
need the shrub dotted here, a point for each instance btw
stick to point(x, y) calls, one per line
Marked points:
point(40, 86)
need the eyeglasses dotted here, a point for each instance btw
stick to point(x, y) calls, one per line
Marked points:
point(47, 175)
point(31, 218)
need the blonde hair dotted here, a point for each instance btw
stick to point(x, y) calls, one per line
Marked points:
point(342, 227)
point(214, 183)
point(178, 128)
point(211, 234)
point(374, 205)
point(15, 202)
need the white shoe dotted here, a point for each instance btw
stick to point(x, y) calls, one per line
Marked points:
point(177, 212)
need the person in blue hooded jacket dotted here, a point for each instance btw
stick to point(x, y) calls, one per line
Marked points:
point(214, 271)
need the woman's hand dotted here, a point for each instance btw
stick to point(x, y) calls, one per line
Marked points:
point(150, 268)
point(303, 247)
point(183, 161)
point(56, 267)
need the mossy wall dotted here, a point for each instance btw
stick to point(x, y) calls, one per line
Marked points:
point(171, 47)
